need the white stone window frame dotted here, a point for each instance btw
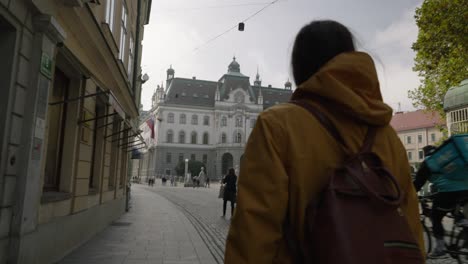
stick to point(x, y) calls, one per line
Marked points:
point(130, 58)
point(123, 32)
point(170, 136)
point(110, 13)
point(457, 121)
point(238, 137)
point(206, 138)
point(239, 121)
point(170, 118)
point(182, 137)
point(206, 120)
point(223, 121)
point(193, 136)
point(194, 119)
point(182, 119)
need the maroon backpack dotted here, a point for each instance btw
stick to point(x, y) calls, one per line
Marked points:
point(357, 219)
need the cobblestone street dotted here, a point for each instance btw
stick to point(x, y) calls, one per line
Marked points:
point(204, 209)
point(167, 225)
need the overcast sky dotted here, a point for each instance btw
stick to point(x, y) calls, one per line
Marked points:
point(385, 29)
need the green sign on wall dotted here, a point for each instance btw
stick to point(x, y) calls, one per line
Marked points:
point(46, 65)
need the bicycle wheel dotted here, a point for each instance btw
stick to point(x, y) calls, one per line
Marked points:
point(427, 238)
point(462, 247)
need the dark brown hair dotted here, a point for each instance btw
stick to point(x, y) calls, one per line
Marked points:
point(316, 44)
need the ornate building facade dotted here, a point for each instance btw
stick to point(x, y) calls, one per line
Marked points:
point(207, 121)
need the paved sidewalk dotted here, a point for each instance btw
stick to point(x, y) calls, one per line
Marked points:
point(154, 231)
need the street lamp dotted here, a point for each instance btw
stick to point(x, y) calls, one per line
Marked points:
point(185, 172)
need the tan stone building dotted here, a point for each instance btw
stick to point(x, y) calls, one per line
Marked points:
point(70, 84)
point(416, 130)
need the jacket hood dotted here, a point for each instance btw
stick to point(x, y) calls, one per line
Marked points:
point(349, 81)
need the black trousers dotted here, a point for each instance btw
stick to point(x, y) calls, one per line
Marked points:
point(232, 206)
point(443, 203)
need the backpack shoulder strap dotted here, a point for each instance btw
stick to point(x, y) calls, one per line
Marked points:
point(325, 121)
point(331, 128)
point(369, 140)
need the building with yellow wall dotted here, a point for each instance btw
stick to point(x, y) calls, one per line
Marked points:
point(416, 130)
point(70, 85)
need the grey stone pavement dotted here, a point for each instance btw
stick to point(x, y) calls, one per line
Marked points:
point(167, 225)
point(154, 231)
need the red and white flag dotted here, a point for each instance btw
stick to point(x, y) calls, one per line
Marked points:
point(150, 123)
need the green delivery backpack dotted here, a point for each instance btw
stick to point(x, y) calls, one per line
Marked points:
point(451, 158)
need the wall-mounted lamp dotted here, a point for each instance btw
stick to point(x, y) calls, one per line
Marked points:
point(144, 78)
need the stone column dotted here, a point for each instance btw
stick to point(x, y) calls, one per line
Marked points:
point(48, 35)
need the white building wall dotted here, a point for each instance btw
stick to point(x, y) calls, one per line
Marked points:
point(415, 140)
point(215, 149)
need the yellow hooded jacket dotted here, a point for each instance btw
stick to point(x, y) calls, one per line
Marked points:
point(289, 153)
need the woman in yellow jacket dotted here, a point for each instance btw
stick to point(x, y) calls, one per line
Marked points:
point(289, 153)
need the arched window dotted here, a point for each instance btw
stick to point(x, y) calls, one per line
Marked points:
point(194, 120)
point(238, 138)
point(223, 121)
point(170, 118)
point(182, 119)
point(170, 136)
point(193, 138)
point(182, 137)
point(238, 121)
point(223, 138)
point(205, 138)
point(206, 120)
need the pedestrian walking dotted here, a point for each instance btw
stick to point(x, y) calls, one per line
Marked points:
point(334, 131)
point(172, 180)
point(194, 181)
point(201, 177)
point(207, 182)
point(230, 191)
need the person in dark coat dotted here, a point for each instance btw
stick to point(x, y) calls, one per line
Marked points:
point(230, 190)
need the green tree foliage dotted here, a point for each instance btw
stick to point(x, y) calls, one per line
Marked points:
point(194, 167)
point(441, 50)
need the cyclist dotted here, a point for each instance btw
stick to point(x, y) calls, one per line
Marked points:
point(449, 193)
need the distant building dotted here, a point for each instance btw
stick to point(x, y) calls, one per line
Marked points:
point(416, 130)
point(207, 121)
point(456, 108)
point(70, 90)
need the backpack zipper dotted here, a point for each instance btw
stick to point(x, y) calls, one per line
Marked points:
point(401, 244)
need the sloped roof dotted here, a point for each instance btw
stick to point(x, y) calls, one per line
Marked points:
point(194, 92)
point(191, 92)
point(416, 120)
point(457, 96)
point(272, 96)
